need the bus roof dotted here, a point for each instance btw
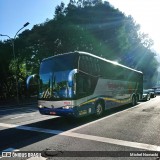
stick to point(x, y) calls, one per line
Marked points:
point(89, 54)
point(58, 55)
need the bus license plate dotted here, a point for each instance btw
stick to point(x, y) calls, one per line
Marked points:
point(53, 113)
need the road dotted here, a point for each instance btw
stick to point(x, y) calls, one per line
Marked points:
point(129, 129)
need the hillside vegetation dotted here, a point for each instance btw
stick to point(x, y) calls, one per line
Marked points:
point(86, 25)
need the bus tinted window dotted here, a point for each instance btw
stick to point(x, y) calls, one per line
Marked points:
point(89, 64)
point(85, 84)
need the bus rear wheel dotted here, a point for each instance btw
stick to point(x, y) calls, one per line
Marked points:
point(99, 110)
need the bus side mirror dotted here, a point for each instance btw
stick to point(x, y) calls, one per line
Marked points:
point(71, 77)
point(30, 79)
point(32, 84)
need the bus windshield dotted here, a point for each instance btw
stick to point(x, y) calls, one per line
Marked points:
point(54, 85)
point(59, 63)
point(54, 75)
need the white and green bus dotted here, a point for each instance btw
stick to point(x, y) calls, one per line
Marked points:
point(77, 84)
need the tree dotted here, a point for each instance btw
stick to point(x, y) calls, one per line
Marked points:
point(88, 25)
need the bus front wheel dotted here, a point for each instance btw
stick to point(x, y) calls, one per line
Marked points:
point(99, 109)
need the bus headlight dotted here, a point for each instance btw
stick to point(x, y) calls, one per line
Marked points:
point(67, 107)
point(40, 106)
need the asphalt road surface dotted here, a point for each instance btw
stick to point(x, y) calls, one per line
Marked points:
point(122, 133)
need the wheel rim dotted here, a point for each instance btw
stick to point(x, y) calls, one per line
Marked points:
point(99, 109)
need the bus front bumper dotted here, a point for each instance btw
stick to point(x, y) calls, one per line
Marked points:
point(58, 112)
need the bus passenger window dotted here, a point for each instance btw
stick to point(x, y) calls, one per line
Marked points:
point(85, 84)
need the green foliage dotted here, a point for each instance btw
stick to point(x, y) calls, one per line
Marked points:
point(88, 25)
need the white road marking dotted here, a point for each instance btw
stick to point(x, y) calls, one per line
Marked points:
point(18, 117)
point(10, 150)
point(113, 141)
point(158, 149)
point(38, 119)
point(98, 120)
point(84, 136)
point(55, 132)
point(24, 115)
point(10, 116)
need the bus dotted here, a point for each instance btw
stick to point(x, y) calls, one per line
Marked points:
point(77, 84)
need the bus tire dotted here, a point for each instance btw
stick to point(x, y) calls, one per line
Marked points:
point(99, 109)
point(134, 100)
